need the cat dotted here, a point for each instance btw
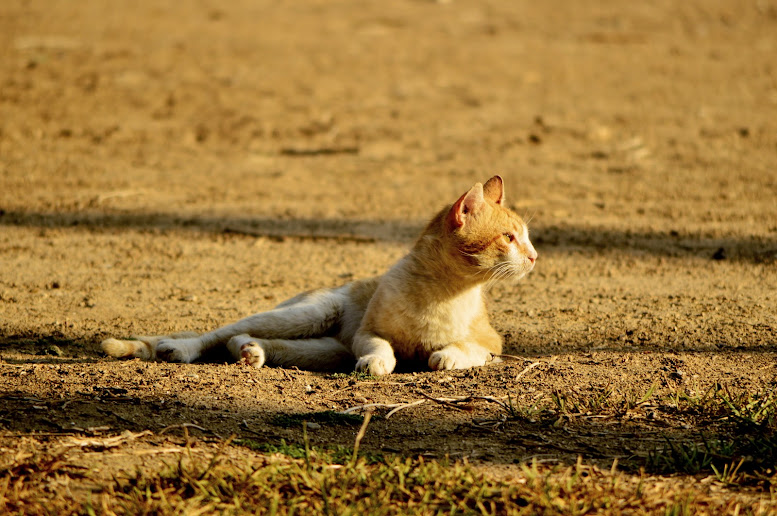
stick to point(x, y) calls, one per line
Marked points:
point(429, 306)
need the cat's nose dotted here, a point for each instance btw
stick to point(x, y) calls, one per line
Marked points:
point(532, 256)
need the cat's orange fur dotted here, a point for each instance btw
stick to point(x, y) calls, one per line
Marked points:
point(428, 306)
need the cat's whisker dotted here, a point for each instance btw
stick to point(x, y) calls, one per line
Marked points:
point(499, 272)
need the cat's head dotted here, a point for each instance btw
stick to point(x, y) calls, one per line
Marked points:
point(491, 239)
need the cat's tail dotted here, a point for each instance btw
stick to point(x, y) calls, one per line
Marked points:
point(139, 347)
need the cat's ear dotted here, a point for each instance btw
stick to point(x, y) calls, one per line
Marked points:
point(494, 190)
point(468, 204)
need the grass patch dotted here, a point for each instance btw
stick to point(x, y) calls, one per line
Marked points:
point(319, 484)
point(335, 454)
point(21, 481)
point(729, 435)
point(324, 481)
point(743, 449)
point(738, 449)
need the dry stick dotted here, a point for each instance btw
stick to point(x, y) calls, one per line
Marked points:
point(510, 357)
point(402, 407)
point(527, 369)
point(186, 426)
point(492, 399)
point(447, 401)
point(360, 436)
point(318, 151)
point(106, 442)
point(359, 408)
point(396, 407)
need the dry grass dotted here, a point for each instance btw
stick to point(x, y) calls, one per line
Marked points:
point(730, 472)
point(317, 484)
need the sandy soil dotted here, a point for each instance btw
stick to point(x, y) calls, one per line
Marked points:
point(165, 167)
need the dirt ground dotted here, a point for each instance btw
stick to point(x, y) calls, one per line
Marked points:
point(169, 166)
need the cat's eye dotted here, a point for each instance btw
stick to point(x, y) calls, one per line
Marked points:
point(509, 238)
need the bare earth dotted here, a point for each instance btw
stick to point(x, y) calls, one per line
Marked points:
point(165, 167)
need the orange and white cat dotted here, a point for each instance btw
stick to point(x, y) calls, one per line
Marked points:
point(428, 306)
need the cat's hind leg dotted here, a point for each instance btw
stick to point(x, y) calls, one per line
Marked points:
point(321, 354)
point(307, 316)
point(143, 347)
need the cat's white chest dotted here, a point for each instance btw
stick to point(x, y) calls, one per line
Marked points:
point(416, 325)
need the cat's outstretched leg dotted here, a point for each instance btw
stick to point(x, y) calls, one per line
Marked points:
point(143, 347)
point(303, 317)
point(322, 354)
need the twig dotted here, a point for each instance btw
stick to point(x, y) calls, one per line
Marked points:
point(295, 151)
point(492, 399)
point(359, 408)
point(360, 435)
point(186, 426)
point(527, 369)
point(402, 407)
point(155, 451)
point(510, 357)
point(107, 442)
point(447, 401)
point(248, 429)
point(117, 416)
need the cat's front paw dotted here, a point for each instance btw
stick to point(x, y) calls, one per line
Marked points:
point(178, 350)
point(444, 361)
point(459, 357)
point(374, 365)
